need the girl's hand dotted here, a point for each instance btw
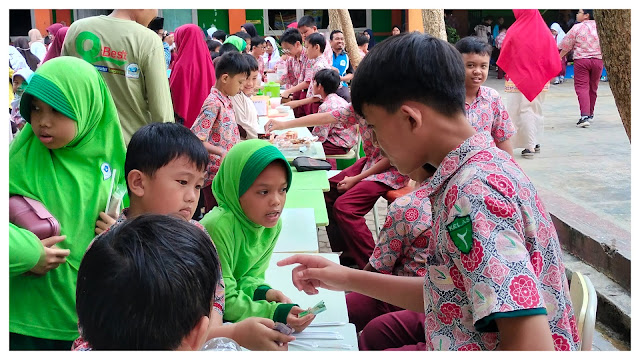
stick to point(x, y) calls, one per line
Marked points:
point(53, 256)
point(104, 223)
point(299, 324)
point(278, 296)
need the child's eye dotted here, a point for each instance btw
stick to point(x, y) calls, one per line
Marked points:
point(34, 108)
point(199, 187)
point(284, 189)
point(182, 182)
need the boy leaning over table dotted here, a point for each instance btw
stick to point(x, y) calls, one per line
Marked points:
point(495, 279)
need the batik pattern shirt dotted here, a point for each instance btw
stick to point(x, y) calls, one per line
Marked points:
point(583, 40)
point(496, 253)
point(216, 125)
point(295, 69)
point(80, 344)
point(404, 238)
point(488, 113)
point(339, 133)
point(310, 69)
point(390, 177)
point(500, 39)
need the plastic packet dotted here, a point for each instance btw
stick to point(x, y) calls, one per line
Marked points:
point(221, 344)
point(115, 201)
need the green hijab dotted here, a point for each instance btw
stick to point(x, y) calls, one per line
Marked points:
point(237, 41)
point(72, 182)
point(239, 169)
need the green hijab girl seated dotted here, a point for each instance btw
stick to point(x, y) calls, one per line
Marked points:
point(251, 188)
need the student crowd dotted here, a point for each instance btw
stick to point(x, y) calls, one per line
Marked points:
point(468, 260)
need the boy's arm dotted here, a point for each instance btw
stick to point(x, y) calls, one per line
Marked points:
point(515, 333)
point(506, 146)
point(301, 86)
point(382, 165)
point(295, 103)
point(155, 77)
point(209, 115)
point(317, 272)
point(568, 42)
point(304, 121)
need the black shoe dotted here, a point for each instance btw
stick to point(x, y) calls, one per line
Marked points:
point(537, 148)
point(583, 122)
point(527, 153)
point(590, 118)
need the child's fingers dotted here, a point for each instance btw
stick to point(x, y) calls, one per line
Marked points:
point(106, 218)
point(50, 241)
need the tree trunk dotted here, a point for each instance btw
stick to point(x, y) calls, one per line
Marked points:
point(433, 23)
point(339, 19)
point(614, 30)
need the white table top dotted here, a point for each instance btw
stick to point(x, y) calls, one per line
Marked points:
point(299, 233)
point(280, 278)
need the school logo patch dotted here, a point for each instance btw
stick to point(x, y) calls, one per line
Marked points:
point(343, 63)
point(106, 171)
point(133, 71)
point(461, 232)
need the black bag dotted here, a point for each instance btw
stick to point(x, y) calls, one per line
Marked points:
point(305, 163)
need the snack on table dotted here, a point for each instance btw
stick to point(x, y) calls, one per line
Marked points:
point(290, 140)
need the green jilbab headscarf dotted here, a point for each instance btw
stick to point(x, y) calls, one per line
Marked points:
point(244, 247)
point(237, 41)
point(73, 183)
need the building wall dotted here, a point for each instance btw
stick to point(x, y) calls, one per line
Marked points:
point(256, 17)
point(218, 18)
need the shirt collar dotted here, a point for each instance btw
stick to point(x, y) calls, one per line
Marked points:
point(483, 94)
point(222, 97)
point(457, 158)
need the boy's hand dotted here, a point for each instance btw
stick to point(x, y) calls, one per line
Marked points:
point(347, 183)
point(285, 94)
point(277, 296)
point(317, 272)
point(53, 256)
point(273, 125)
point(104, 223)
point(258, 334)
point(299, 324)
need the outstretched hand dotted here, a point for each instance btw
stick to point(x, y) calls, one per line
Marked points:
point(315, 272)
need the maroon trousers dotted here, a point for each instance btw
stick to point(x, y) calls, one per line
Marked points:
point(362, 309)
point(587, 74)
point(347, 229)
point(332, 149)
point(399, 330)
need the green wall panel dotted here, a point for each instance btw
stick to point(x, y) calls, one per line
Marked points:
point(255, 16)
point(220, 18)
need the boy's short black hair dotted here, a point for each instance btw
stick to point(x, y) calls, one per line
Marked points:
point(502, 27)
point(411, 67)
point(317, 39)
point(396, 26)
point(220, 35)
point(253, 63)
point(213, 44)
point(361, 40)
point(474, 45)
point(232, 63)
point(335, 32)
point(329, 79)
point(307, 21)
point(228, 47)
point(156, 24)
point(243, 35)
point(157, 144)
point(291, 36)
point(145, 284)
point(256, 41)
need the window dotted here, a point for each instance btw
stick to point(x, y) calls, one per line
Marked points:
point(278, 19)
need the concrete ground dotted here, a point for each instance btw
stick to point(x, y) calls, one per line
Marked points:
point(583, 176)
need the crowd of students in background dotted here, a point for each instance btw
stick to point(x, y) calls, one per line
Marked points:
point(468, 260)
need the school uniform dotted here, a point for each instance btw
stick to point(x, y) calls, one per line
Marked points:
point(342, 63)
point(587, 60)
point(488, 113)
point(336, 138)
point(217, 125)
point(400, 251)
point(496, 253)
point(347, 229)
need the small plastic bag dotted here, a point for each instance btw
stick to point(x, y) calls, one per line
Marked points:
point(115, 201)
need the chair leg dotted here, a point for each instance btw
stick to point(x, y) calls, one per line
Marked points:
point(376, 221)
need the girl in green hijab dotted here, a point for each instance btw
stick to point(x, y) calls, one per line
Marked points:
point(68, 156)
point(236, 41)
point(251, 188)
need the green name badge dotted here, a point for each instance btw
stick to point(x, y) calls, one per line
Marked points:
point(461, 232)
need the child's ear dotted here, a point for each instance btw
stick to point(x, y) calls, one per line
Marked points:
point(414, 115)
point(135, 179)
point(224, 78)
point(196, 338)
